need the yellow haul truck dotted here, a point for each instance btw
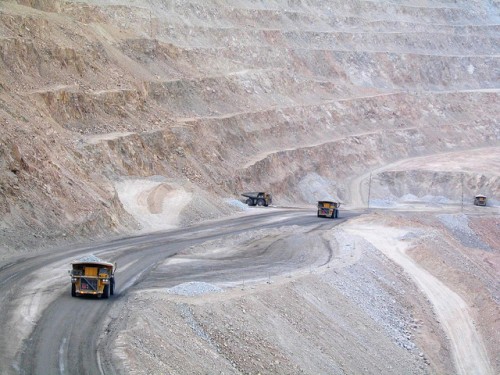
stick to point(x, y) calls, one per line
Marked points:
point(480, 200)
point(92, 276)
point(328, 209)
point(258, 198)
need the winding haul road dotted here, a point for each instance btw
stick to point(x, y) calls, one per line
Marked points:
point(46, 331)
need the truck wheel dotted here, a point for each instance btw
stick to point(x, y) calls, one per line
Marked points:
point(73, 290)
point(261, 202)
point(336, 214)
point(249, 202)
point(318, 213)
point(112, 287)
point(105, 292)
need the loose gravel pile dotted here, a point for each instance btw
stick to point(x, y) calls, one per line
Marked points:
point(380, 293)
point(458, 224)
point(192, 289)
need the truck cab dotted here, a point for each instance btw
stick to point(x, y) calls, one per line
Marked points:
point(92, 276)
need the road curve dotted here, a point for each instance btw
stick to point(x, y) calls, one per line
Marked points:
point(467, 346)
point(46, 331)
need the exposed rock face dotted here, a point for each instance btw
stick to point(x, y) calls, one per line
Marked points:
point(296, 97)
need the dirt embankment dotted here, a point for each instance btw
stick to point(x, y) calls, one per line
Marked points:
point(402, 293)
point(293, 98)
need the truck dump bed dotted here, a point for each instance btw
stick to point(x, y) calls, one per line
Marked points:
point(252, 194)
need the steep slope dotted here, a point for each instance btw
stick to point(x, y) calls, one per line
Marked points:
point(299, 98)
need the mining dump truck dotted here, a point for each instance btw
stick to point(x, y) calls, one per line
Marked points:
point(258, 199)
point(328, 209)
point(480, 200)
point(92, 276)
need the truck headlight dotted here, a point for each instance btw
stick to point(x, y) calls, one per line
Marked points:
point(105, 281)
point(73, 279)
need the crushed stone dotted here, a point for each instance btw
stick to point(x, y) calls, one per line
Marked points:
point(458, 224)
point(194, 288)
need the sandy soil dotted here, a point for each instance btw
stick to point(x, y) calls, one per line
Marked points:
point(419, 321)
point(371, 294)
point(460, 344)
point(155, 205)
point(484, 160)
point(303, 99)
point(468, 349)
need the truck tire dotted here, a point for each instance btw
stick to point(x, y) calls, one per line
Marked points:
point(73, 290)
point(105, 292)
point(112, 286)
point(249, 201)
point(261, 202)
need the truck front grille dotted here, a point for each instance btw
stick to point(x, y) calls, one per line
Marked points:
point(89, 284)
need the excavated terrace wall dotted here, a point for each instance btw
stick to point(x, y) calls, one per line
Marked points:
point(299, 98)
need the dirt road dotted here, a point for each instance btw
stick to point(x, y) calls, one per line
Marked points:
point(46, 331)
point(482, 160)
point(468, 349)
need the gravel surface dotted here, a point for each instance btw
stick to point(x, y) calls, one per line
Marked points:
point(194, 289)
point(358, 313)
point(458, 224)
point(305, 99)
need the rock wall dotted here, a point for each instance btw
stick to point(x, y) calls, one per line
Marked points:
point(299, 98)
